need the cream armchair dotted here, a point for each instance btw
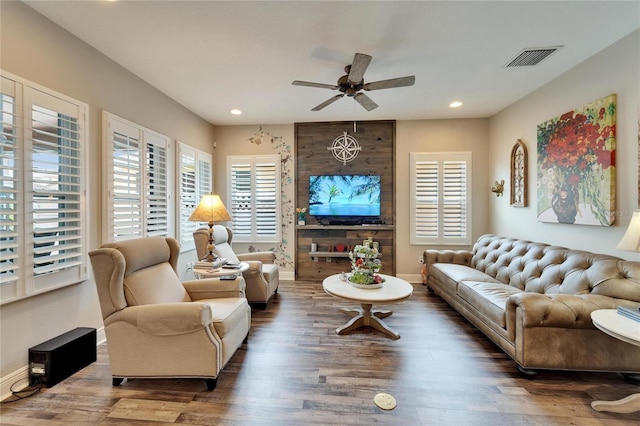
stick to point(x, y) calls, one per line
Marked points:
point(157, 326)
point(262, 277)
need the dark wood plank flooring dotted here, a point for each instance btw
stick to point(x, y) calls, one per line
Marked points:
point(296, 371)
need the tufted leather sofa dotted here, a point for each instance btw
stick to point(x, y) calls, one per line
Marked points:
point(535, 300)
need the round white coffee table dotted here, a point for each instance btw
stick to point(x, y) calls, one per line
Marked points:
point(627, 330)
point(393, 290)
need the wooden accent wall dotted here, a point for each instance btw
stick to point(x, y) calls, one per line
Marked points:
point(377, 156)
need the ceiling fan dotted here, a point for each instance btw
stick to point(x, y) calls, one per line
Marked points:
point(351, 84)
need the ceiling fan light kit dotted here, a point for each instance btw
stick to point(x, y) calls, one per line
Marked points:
point(352, 83)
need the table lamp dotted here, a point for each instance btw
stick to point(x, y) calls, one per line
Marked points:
point(210, 209)
point(631, 239)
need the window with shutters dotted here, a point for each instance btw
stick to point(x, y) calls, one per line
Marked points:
point(137, 181)
point(254, 198)
point(441, 198)
point(43, 175)
point(195, 180)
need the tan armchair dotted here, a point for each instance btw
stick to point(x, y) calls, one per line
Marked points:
point(262, 277)
point(158, 326)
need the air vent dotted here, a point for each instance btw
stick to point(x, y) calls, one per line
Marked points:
point(530, 57)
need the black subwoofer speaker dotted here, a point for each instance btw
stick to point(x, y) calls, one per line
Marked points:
point(54, 360)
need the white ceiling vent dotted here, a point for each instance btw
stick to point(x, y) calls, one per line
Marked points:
point(531, 56)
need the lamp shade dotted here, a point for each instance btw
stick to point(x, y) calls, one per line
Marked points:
point(631, 239)
point(210, 209)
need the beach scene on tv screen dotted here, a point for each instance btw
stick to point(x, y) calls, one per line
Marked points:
point(345, 195)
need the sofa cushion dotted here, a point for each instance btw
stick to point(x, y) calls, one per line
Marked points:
point(228, 312)
point(488, 297)
point(451, 274)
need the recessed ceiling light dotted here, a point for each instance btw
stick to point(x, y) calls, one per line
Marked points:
point(236, 112)
point(455, 104)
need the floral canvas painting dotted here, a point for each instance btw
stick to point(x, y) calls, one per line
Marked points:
point(576, 165)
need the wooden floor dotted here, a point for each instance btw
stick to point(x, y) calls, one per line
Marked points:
point(296, 371)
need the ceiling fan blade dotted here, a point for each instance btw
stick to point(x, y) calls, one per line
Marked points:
point(389, 84)
point(310, 84)
point(365, 101)
point(358, 67)
point(328, 102)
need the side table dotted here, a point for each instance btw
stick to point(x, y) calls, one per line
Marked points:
point(220, 272)
point(627, 330)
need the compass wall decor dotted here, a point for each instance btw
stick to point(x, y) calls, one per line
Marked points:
point(345, 148)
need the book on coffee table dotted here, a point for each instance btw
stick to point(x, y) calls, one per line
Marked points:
point(631, 313)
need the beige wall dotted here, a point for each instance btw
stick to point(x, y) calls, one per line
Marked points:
point(616, 69)
point(35, 49)
point(262, 140)
point(411, 136)
point(439, 136)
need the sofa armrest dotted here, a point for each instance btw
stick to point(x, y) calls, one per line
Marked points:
point(214, 288)
point(555, 310)
point(262, 256)
point(165, 319)
point(254, 271)
point(429, 257)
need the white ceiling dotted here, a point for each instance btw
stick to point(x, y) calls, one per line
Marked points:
point(213, 56)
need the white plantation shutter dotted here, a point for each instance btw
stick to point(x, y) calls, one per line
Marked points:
point(195, 181)
point(137, 179)
point(454, 201)
point(254, 197)
point(126, 192)
point(11, 201)
point(42, 184)
point(157, 186)
point(241, 204)
point(426, 199)
point(266, 198)
point(440, 202)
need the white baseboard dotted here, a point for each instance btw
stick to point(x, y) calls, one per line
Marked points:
point(287, 275)
point(412, 278)
point(20, 377)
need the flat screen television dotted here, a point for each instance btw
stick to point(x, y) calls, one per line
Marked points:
point(344, 196)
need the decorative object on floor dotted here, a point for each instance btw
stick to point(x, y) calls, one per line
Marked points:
point(300, 211)
point(498, 188)
point(385, 401)
point(519, 172)
point(353, 82)
point(345, 148)
point(364, 267)
point(631, 239)
point(210, 210)
point(576, 165)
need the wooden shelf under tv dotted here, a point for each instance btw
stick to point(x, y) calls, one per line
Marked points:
point(325, 261)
